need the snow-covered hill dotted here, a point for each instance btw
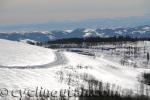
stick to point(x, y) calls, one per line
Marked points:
point(141, 31)
point(21, 54)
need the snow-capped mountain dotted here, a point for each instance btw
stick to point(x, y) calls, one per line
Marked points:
point(140, 31)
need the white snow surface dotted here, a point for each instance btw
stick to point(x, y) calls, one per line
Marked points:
point(21, 54)
point(107, 71)
point(88, 34)
point(15, 53)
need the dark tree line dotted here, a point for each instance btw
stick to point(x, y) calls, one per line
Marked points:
point(96, 40)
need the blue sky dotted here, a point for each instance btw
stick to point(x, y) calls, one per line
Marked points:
point(27, 12)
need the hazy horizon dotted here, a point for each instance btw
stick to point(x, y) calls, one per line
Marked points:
point(61, 12)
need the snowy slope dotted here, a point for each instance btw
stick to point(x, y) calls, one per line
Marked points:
point(106, 71)
point(20, 54)
point(15, 53)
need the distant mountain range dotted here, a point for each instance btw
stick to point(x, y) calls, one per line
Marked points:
point(136, 32)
